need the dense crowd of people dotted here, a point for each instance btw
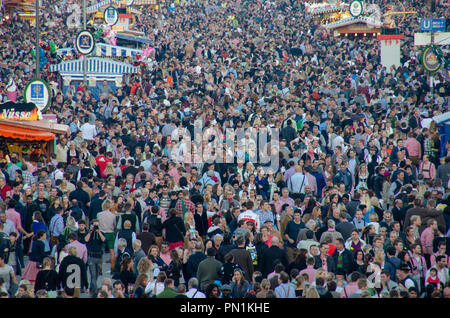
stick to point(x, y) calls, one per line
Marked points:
point(358, 206)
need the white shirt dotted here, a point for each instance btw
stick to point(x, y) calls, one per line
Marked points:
point(198, 294)
point(150, 289)
point(338, 141)
point(250, 216)
point(89, 131)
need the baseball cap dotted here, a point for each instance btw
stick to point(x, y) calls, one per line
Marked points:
point(226, 287)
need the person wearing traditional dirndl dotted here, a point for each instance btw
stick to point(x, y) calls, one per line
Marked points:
point(36, 257)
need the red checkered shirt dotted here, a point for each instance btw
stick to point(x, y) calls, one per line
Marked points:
point(190, 207)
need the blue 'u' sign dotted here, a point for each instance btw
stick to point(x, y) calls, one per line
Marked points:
point(432, 25)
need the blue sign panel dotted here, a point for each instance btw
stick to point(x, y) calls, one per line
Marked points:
point(436, 25)
point(37, 90)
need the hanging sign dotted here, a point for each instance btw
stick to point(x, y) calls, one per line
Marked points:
point(356, 8)
point(111, 16)
point(431, 59)
point(38, 93)
point(19, 111)
point(84, 42)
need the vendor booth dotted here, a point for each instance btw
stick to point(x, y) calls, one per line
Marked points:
point(22, 131)
point(97, 70)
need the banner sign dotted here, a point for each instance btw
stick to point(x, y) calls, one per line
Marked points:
point(38, 93)
point(85, 43)
point(111, 16)
point(431, 59)
point(19, 111)
point(432, 25)
point(356, 8)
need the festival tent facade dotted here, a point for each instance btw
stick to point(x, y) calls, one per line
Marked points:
point(104, 50)
point(97, 70)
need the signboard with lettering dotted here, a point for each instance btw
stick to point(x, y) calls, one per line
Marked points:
point(85, 43)
point(111, 16)
point(38, 93)
point(19, 111)
point(356, 8)
point(431, 58)
point(435, 25)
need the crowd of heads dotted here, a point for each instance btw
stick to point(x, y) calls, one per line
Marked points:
point(361, 173)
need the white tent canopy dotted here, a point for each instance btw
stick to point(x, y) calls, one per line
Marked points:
point(443, 118)
point(94, 66)
point(105, 50)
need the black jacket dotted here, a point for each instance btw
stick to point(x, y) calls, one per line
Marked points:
point(300, 265)
point(155, 224)
point(330, 263)
point(288, 133)
point(224, 249)
point(269, 257)
point(43, 207)
point(378, 185)
point(127, 234)
point(68, 271)
point(27, 215)
point(81, 196)
point(352, 206)
point(175, 230)
point(201, 223)
point(192, 265)
point(47, 280)
point(17, 248)
point(95, 207)
point(347, 261)
point(260, 249)
point(227, 272)
point(147, 239)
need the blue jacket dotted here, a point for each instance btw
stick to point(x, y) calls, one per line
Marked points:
point(391, 264)
point(320, 180)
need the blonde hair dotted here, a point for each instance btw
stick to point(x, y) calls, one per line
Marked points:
point(71, 222)
point(300, 281)
point(265, 283)
point(311, 293)
point(365, 199)
point(316, 212)
point(143, 266)
point(46, 262)
point(107, 204)
point(379, 256)
point(73, 251)
point(318, 273)
point(207, 197)
point(374, 202)
point(188, 216)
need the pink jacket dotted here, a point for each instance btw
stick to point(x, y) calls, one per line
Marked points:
point(349, 289)
point(426, 239)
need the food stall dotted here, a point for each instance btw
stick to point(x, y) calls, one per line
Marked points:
point(22, 130)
